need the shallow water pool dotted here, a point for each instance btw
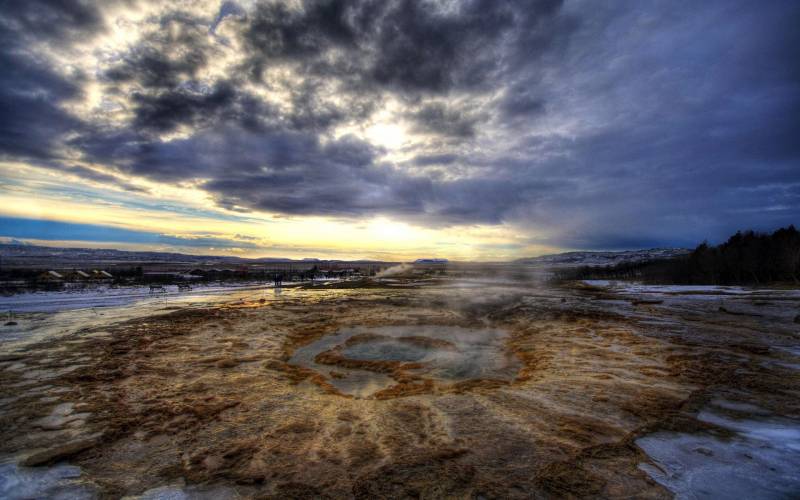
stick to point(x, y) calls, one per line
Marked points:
point(444, 354)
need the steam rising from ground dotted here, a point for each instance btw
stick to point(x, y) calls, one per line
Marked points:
point(395, 271)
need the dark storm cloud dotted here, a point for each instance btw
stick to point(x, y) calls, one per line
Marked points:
point(253, 155)
point(434, 159)
point(164, 111)
point(31, 121)
point(408, 46)
point(437, 118)
point(174, 48)
point(306, 177)
point(276, 31)
point(521, 103)
point(584, 121)
point(336, 189)
point(50, 19)
point(310, 111)
point(453, 47)
point(231, 153)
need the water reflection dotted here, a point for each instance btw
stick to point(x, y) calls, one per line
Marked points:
point(360, 361)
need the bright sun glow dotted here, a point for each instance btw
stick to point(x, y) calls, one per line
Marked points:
point(388, 135)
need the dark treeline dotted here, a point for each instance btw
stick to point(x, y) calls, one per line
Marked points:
point(747, 258)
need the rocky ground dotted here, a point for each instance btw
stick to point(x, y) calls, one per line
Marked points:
point(209, 403)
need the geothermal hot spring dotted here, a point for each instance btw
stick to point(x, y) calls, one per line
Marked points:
point(473, 389)
point(362, 361)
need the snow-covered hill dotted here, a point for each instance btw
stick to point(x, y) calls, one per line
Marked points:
point(603, 258)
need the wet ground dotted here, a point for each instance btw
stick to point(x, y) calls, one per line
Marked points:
point(365, 362)
point(440, 388)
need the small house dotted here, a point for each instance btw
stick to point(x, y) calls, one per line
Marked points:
point(50, 277)
point(99, 275)
point(77, 275)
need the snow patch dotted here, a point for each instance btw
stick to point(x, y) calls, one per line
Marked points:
point(762, 460)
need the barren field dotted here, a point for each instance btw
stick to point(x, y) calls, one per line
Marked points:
point(442, 388)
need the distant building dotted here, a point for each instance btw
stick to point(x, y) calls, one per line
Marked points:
point(77, 275)
point(101, 275)
point(50, 277)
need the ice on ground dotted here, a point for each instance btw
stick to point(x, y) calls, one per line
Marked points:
point(599, 283)
point(780, 433)
point(762, 459)
point(61, 313)
point(794, 350)
point(63, 482)
point(105, 296)
point(739, 407)
point(634, 287)
point(60, 482)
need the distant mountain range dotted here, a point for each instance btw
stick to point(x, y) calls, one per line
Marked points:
point(24, 254)
point(18, 253)
point(603, 258)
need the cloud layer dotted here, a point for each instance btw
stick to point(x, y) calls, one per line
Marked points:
point(584, 125)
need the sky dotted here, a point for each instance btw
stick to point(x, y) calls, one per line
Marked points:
point(483, 129)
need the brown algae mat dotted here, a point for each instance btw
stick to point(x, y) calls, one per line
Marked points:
point(415, 400)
